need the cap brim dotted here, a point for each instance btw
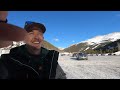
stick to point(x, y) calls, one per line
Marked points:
point(5, 43)
point(9, 32)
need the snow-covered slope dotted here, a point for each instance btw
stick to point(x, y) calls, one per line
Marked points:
point(104, 38)
point(6, 50)
point(95, 42)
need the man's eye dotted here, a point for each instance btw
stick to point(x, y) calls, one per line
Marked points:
point(30, 33)
point(40, 33)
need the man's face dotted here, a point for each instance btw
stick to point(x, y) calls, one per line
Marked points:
point(34, 39)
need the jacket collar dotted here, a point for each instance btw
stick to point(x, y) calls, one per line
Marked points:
point(20, 53)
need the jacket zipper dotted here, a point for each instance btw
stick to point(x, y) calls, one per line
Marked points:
point(51, 65)
point(25, 65)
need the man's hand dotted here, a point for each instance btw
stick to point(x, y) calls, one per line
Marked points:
point(3, 15)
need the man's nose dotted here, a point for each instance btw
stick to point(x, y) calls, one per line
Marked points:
point(36, 36)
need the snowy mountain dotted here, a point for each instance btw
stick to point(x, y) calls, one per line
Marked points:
point(60, 48)
point(103, 38)
point(93, 43)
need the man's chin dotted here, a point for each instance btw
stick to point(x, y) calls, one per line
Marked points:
point(35, 46)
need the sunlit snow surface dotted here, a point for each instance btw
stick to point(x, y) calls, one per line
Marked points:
point(96, 67)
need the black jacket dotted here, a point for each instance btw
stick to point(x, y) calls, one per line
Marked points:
point(19, 64)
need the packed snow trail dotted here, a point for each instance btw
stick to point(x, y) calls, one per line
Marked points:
point(96, 67)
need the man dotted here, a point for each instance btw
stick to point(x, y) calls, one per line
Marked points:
point(31, 61)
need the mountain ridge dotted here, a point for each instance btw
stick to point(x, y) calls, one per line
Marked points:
point(93, 43)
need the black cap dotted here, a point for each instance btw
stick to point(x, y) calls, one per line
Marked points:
point(29, 26)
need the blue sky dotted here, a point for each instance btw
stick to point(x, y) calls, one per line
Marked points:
point(65, 28)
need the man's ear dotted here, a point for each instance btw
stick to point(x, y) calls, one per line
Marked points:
point(25, 38)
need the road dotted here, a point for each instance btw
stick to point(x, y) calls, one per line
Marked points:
point(96, 67)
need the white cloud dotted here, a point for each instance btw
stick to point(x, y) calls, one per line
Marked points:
point(56, 39)
point(73, 41)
